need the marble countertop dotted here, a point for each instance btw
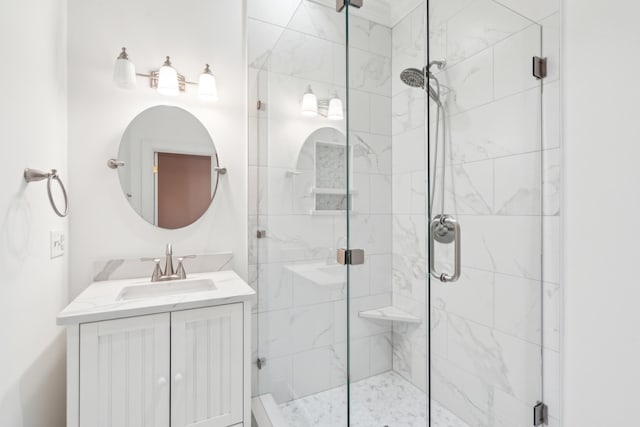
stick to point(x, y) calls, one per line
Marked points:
point(100, 301)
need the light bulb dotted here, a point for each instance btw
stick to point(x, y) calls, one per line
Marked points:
point(124, 72)
point(207, 87)
point(168, 79)
point(309, 103)
point(335, 111)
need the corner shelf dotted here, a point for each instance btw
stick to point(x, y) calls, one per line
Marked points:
point(391, 314)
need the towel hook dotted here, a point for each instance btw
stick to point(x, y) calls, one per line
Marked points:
point(33, 175)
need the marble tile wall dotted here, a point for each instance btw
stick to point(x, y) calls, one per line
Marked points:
point(300, 320)
point(503, 184)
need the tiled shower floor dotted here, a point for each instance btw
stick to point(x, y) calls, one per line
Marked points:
point(383, 400)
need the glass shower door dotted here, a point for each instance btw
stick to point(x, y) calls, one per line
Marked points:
point(298, 211)
point(388, 293)
point(485, 168)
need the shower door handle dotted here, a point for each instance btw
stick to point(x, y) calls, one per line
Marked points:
point(449, 222)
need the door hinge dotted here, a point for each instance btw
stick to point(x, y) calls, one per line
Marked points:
point(540, 414)
point(261, 234)
point(260, 362)
point(539, 67)
point(350, 256)
point(341, 4)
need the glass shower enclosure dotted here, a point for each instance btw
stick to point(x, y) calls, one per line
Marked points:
point(395, 213)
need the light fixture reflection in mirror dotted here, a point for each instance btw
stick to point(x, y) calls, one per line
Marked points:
point(168, 167)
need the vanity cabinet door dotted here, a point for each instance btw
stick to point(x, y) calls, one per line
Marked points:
point(207, 366)
point(124, 372)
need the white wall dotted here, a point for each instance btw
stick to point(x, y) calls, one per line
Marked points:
point(192, 32)
point(33, 287)
point(602, 140)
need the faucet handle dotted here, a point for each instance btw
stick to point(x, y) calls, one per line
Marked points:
point(180, 271)
point(157, 271)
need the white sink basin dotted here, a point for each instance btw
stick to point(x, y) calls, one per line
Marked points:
point(163, 289)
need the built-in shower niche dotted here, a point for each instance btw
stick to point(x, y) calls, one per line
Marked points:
point(325, 153)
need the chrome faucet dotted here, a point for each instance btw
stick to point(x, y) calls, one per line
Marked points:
point(169, 273)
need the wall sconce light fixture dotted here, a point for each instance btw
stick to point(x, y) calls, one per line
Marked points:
point(166, 80)
point(330, 108)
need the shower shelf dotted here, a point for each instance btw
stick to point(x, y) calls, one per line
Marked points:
point(335, 191)
point(390, 313)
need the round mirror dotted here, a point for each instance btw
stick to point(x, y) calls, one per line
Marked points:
point(168, 170)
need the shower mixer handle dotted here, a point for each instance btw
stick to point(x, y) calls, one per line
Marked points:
point(448, 223)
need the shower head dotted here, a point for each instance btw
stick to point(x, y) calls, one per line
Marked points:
point(414, 77)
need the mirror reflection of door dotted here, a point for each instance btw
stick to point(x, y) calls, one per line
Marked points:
point(183, 188)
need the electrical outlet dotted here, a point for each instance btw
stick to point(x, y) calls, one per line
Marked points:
point(57, 243)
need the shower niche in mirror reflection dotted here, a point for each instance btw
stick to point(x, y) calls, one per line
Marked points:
point(169, 167)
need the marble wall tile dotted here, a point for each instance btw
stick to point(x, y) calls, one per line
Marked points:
point(469, 188)
point(380, 351)
point(551, 249)
point(551, 182)
point(380, 186)
point(303, 56)
point(277, 12)
point(502, 361)
point(472, 297)
point(505, 127)
point(318, 21)
point(409, 151)
point(441, 11)
point(551, 115)
point(369, 72)
point(371, 153)
point(380, 113)
point(360, 352)
point(298, 237)
point(463, 393)
point(518, 185)
point(509, 411)
point(311, 372)
point(479, 26)
point(518, 307)
point(470, 81)
point(359, 114)
point(551, 46)
point(495, 243)
point(407, 46)
point(379, 274)
point(408, 110)
point(552, 392)
point(534, 11)
point(512, 62)
point(551, 318)
point(275, 287)
point(401, 8)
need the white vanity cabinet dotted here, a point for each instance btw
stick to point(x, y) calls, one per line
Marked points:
point(176, 354)
point(176, 369)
